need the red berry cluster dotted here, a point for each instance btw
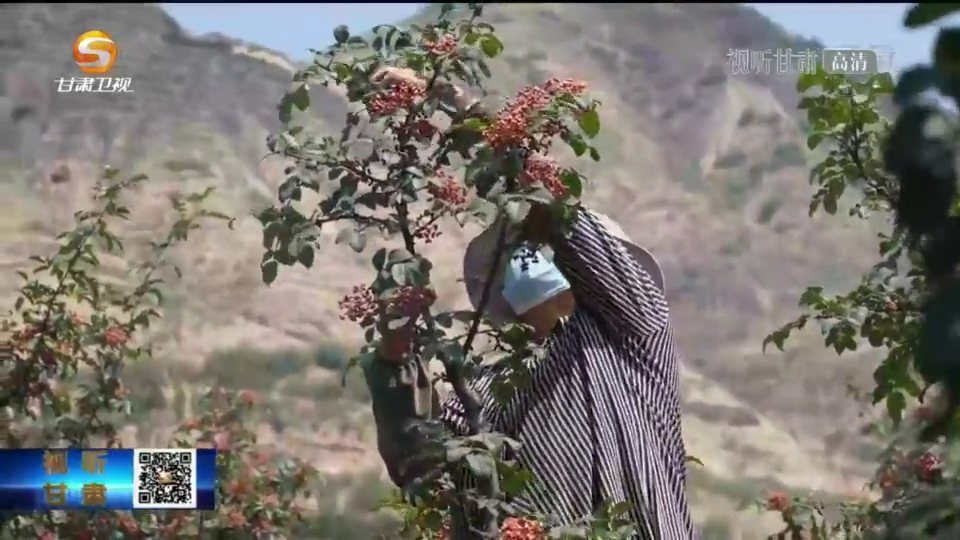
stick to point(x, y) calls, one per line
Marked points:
point(427, 232)
point(518, 528)
point(424, 129)
point(543, 170)
point(410, 301)
point(448, 192)
point(115, 336)
point(778, 501)
point(514, 528)
point(556, 87)
point(359, 306)
point(928, 467)
point(441, 46)
point(402, 95)
point(512, 125)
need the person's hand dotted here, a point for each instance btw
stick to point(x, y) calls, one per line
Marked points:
point(391, 76)
point(538, 226)
point(451, 94)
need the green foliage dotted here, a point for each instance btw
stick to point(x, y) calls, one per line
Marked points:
point(730, 160)
point(404, 191)
point(333, 357)
point(768, 210)
point(349, 509)
point(787, 154)
point(906, 306)
point(73, 335)
point(844, 118)
point(925, 13)
point(691, 177)
point(256, 369)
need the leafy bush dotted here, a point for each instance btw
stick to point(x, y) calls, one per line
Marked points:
point(405, 190)
point(250, 368)
point(331, 357)
point(65, 385)
point(731, 160)
point(910, 169)
point(768, 210)
point(787, 154)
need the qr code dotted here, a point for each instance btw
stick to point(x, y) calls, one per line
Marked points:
point(164, 479)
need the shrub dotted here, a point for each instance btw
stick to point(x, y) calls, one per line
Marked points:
point(331, 357)
point(56, 349)
point(909, 169)
point(768, 210)
point(252, 368)
point(406, 191)
point(731, 160)
point(787, 155)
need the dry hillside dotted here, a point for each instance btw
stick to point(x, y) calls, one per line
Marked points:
point(706, 168)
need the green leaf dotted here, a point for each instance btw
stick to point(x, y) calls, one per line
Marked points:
point(516, 210)
point(400, 274)
point(573, 182)
point(830, 205)
point(343, 236)
point(482, 466)
point(514, 480)
point(268, 271)
point(306, 256)
point(341, 34)
point(589, 122)
point(913, 82)
point(379, 258)
point(358, 241)
point(896, 404)
point(491, 46)
point(399, 322)
point(399, 255)
point(594, 154)
point(693, 459)
point(814, 140)
point(807, 81)
point(924, 13)
point(576, 143)
point(475, 124)
point(301, 98)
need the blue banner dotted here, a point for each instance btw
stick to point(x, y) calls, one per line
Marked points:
point(114, 479)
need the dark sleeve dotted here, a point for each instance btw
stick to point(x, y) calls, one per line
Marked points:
point(453, 415)
point(409, 442)
point(608, 279)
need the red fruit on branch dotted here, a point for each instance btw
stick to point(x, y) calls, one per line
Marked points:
point(518, 528)
point(441, 46)
point(359, 306)
point(115, 336)
point(777, 501)
point(401, 96)
point(928, 467)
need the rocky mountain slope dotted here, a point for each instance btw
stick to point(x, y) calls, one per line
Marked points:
point(706, 168)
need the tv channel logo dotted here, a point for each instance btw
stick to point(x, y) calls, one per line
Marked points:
point(95, 52)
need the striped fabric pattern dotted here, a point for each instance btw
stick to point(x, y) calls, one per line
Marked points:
point(600, 419)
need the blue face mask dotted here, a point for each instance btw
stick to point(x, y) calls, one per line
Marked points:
point(528, 285)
